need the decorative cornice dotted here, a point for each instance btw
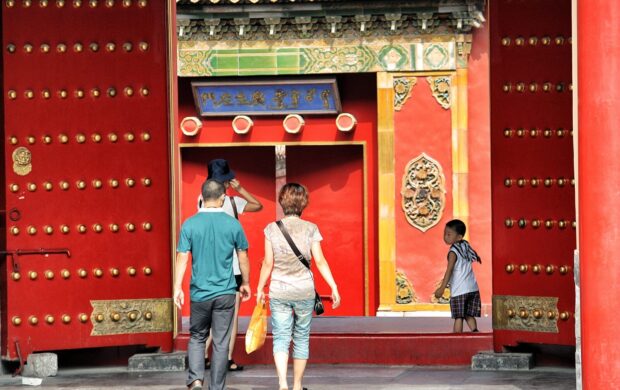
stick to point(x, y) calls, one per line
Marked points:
point(265, 37)
point(214, 20)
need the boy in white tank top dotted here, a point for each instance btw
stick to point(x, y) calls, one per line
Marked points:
point(464, 295)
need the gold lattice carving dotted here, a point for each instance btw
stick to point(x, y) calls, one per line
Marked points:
point(403, 86)
point(404, 289)
point(128, 316)
point(531, 314)
point(440, 87)
point(423, 192)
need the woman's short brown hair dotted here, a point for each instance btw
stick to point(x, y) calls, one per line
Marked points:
point(293, 198)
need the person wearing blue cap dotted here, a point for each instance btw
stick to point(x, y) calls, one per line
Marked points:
point(219, 169)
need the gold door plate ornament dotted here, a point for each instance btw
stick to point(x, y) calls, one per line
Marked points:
point(440, 87)
point(22, 161)
point(530, 314)
point(127, 316)
point(423, 192)
point(403, 87)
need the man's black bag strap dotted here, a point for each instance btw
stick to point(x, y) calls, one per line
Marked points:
point(296, 251)
point(234, 206)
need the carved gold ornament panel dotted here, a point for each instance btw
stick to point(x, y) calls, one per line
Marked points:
point(404, 289)
point(531, 314)
point(126, 316)
point(423, 192)
point(403, 86)
point(440, 87)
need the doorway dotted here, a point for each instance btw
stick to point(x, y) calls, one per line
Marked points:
point(335, 177)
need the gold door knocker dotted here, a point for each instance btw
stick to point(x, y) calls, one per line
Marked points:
point(22, 161)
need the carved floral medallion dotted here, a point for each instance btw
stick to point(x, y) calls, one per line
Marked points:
point(423, 192)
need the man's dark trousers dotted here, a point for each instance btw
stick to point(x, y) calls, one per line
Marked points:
point(215, 315)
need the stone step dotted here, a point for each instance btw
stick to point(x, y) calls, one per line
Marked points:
point(41, 365)
point(509, 361)
point(158, 362)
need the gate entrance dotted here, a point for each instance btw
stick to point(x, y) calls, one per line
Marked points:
point(334, 176)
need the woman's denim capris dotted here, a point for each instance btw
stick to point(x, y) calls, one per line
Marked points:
point(291, 319)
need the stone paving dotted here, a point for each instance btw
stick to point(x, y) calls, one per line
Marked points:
point(319, 377)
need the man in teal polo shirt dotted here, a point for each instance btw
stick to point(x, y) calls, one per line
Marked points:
point(211, 236)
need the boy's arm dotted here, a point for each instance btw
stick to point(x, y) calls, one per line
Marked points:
point(447, 276)
point(253, 203)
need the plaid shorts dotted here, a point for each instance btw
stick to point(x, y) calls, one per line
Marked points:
point(466, 305)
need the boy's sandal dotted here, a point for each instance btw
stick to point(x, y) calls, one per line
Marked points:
point(207, 364)
point(232, 366)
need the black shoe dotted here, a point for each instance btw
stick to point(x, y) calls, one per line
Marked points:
point(232, 366)
point(207, 364)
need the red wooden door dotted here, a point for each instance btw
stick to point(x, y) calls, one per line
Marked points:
point(334, 176)
point(532, 171)
point(86, 172)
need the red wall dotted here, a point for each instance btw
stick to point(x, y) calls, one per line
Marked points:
point(358, 96)
point(422, 126)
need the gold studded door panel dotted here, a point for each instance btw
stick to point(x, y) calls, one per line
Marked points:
point(533, 195)
point(86, 175)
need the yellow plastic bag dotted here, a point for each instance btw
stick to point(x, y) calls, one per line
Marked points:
point(257, 330)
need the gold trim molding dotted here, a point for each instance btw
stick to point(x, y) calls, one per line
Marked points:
point(423, 192)
point(529, 314)
point(127, 316)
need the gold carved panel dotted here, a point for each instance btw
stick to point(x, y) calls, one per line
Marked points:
point(440, 87)
point(403, 86)
point(404, 289)
point(126, 316)
point(423, 192)
point(530, 314)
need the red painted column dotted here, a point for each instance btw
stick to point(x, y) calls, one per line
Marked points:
point(598, 40)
